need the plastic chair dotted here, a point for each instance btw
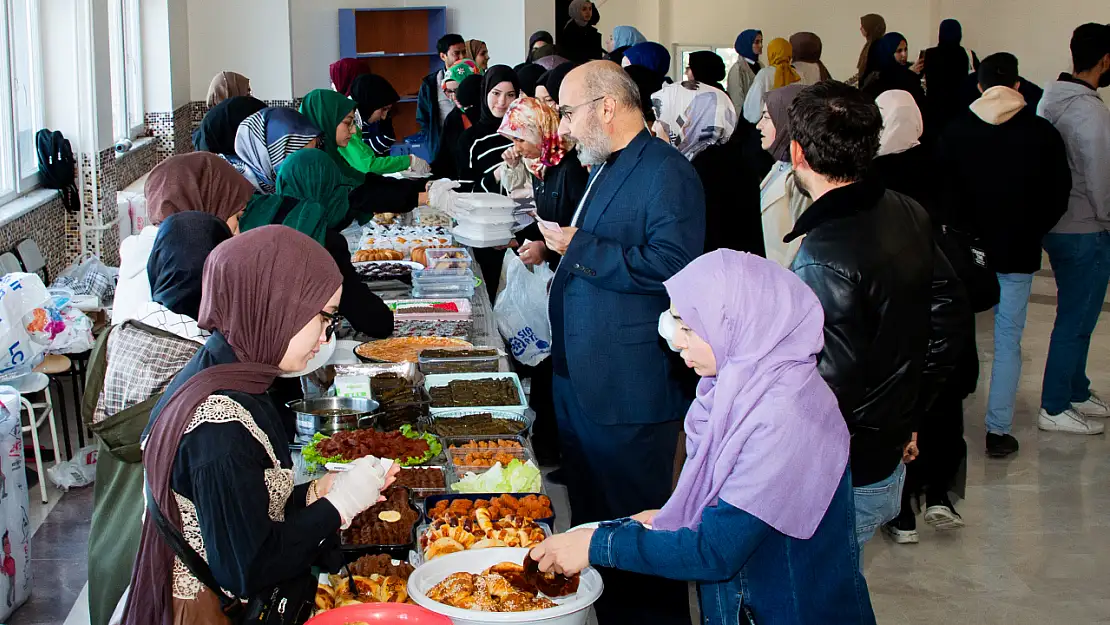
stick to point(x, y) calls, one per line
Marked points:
point(56, 366)
point(9, 264)
point(26, 385)
point(31, 258)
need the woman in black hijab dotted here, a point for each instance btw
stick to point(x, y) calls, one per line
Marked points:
point(375, 93)
point(947, 67)
point(479, 156)
point(529, 76)
point(467, 112)
point(538, 39)
point(216, 133)
point(547, 90)
point(649, 82)
point(706, 67)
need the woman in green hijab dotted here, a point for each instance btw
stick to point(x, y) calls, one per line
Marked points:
point(311, 197)
point(334, 114)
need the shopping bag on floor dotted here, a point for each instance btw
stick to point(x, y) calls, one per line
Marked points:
point(521, 310)
point(15, 529)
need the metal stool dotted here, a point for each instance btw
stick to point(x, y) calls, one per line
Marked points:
point(38, 383)
point(56, 366)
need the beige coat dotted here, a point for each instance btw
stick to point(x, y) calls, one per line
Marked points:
point(781, 202)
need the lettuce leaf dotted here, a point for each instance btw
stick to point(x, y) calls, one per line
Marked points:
point(515, 477)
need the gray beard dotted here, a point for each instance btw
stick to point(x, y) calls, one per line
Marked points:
point(594, 147)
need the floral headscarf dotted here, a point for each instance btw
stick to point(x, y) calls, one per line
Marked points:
point(530, 120)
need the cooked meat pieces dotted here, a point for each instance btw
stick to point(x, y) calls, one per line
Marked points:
point(355, 444)
point(368, 529)
point(380, 564)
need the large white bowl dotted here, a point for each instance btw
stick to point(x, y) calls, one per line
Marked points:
point(572, 610)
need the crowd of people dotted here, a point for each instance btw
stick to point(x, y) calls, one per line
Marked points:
point(762, 314)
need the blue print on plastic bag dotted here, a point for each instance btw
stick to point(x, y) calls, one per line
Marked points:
point(525, 337)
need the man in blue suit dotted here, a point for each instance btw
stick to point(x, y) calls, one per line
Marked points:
point(618, 399)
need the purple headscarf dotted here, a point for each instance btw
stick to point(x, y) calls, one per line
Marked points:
point(765, 434)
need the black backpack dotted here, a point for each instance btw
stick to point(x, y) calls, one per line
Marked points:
point(58, 167)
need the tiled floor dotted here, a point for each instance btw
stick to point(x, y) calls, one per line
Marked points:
point(1033, 552)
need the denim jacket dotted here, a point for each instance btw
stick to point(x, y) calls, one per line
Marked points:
point(742, 565)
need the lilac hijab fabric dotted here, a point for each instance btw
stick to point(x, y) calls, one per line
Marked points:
point(765, 434)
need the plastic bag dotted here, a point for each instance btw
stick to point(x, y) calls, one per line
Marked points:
point(15, 530)
point(77, 336)
point(90, 277)
point(76, 473)
point(521, 310)
point(26, 326)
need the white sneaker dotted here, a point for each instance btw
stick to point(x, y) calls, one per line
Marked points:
point(943, 518)
point(901, 536)
point(1093, 408)
point(1068, 421)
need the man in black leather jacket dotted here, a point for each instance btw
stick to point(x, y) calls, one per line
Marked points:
point(895, 314)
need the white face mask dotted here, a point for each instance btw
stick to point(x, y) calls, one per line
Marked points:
point(668, 325)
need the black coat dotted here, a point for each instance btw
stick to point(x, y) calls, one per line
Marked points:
point(732, 210)
point(913, 174)
point(868, 255)
point(1007, 183)
point(581, 44)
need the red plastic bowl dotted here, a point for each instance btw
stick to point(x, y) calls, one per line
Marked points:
point(380, 613)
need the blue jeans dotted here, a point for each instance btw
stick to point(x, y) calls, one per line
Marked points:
point(1009, 324)
point(1081, 263)
point(877, 504)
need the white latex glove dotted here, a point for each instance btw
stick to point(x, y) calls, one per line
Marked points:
point(418, 165)
point(357, 488)
point(439, 193)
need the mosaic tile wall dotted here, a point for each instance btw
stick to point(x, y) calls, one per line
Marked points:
point(105, 183)
point(198, 109)
point(46, 225)
point(136, 163)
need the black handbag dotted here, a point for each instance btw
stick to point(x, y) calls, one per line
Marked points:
point(969, 260)
point(288, 603)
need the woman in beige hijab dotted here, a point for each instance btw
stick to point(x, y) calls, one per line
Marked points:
point(227, 85)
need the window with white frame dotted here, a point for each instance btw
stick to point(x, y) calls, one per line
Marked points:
point(21, 103)
point(127, 71)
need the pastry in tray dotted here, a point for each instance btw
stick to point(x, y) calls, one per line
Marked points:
point(402, 349)
point(374, 588)
point(504, 587)
point(363, 256)
point(531, 506)
point(481, 531)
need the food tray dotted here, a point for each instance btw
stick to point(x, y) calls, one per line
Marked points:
point(401, 309)
point(413, 344)
point(455, 473)
point(431, 501)
point(416, 556)
point(406, 369)
point(463, 364)
point(437, 291)
point(527, 417)
point(442, 380)
point(420, 494)
point(449, 259)
point(397, 552)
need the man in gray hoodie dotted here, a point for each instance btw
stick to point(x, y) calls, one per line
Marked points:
point(1079, 246)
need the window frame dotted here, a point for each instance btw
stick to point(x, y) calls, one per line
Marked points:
point(125, 43)
point(19, 182)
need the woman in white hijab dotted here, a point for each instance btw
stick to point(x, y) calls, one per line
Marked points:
point(903, 164)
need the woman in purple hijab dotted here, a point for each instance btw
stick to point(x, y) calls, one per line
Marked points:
point(762, 517)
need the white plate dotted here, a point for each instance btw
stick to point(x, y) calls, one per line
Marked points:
point(595, 525)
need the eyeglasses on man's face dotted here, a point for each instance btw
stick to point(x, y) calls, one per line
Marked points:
point(565, 112)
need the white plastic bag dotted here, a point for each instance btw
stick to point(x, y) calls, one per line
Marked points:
point(26, 325)
point(75, 473)
point(15, 529)
point(90, 277)
point(521, 310)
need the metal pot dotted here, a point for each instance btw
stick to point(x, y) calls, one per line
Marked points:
point(356, 414)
